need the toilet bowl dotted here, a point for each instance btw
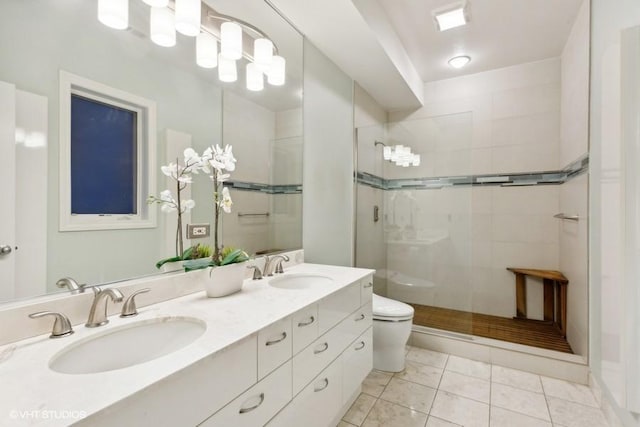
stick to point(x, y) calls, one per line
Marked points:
point(392, 321)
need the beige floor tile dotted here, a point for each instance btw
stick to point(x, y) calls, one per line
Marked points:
point(571, 414)
point(359, 410)
point(344, 424)
point(411, 395)
point(375, 383)
point(437, 422)
point(469, 367)
point(421, 374)
point(465, 386)
point(427, 357)
point(460, 410)
point(518, 400)
point(503, 418)
point(515, 378)
point(572, 392)
point(387, 414)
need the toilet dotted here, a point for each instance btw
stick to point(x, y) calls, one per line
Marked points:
point(392, 321)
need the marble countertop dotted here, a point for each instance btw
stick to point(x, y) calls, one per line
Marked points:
point(30, 391)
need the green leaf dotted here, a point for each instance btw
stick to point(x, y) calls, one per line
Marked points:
point(235, 256)
point(197, 264)
point(166, 260)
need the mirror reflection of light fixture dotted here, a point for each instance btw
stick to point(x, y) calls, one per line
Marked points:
point(186, 16)
point(400, 155)
point(206, 50)
point(162, 26)
point(227, 71)
point(114, 13)
point(255, 79)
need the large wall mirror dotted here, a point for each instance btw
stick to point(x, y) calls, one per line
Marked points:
point(42, 41)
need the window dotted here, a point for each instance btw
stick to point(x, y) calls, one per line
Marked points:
point(107, 157)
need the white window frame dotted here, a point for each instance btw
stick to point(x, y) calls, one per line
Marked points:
point(71, 84)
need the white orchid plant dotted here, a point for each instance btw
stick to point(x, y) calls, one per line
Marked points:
point(217, 162)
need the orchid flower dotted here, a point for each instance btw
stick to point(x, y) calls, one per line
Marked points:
point(226, 201)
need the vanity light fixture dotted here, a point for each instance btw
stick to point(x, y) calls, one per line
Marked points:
point(459, 61)
point(114, 13)
point(400, 155)
point(188, 17)
point(451, 16)
point(162, 26)
point(194, 18)
point(231, 40)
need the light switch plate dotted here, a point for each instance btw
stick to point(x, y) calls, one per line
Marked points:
point(198, 231)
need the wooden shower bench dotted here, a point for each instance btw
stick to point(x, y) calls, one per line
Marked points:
point(555, 295)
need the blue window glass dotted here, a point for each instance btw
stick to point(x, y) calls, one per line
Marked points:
point(103, 158)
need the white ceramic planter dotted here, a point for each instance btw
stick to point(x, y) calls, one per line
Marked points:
point(225, 280)
point(171, 266)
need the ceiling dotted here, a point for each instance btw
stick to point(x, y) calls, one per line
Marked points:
point(391, 47)
point(500, 33)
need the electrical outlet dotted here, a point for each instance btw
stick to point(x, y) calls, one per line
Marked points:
point(198, 231)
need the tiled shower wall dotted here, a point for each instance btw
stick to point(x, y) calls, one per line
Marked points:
point(450, 247)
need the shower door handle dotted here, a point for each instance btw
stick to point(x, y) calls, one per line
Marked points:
point(5, 250)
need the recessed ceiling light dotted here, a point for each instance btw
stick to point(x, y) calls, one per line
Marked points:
point(451, 16)
point(459, 61)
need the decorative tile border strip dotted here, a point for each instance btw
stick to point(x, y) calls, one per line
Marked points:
point(264, 188)
point(574, 169)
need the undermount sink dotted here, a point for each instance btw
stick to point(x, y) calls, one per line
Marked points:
point(128, 345)
point(299, 281)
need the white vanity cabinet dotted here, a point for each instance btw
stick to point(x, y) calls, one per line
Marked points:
point(304, 369)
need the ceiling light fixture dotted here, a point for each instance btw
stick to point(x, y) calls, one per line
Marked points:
point(451, 16)
point(459, 61)
point(186, 17)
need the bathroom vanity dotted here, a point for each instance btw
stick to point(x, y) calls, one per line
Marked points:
point(289, 350)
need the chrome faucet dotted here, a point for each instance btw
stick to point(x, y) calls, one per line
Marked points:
point(72, 285)
point(99, 317)
point(274, 264)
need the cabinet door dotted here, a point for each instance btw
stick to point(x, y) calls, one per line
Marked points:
point(274, 346)
point(336, 307)
point(318, 404)
point(305, 327)
point(258, 404)
point(357, 362)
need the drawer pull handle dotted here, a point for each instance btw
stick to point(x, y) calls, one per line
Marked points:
point(368, 285)
point(362, 344)
point(362, 316)
point(310, 321)
point(284, 335)
point(323, 386)
point(324, 348)
point(251, 408)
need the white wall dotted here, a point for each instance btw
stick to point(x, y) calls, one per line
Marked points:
point(574, 143)
point(613, 298)
point(328, 198)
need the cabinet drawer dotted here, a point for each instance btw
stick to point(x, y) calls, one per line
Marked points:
point(357, 322)
point(274, 346)
point(357, 362)
point(336, 307)
point(305, 327)
point(317, 404)
point(258, 404)
point(366, 290)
